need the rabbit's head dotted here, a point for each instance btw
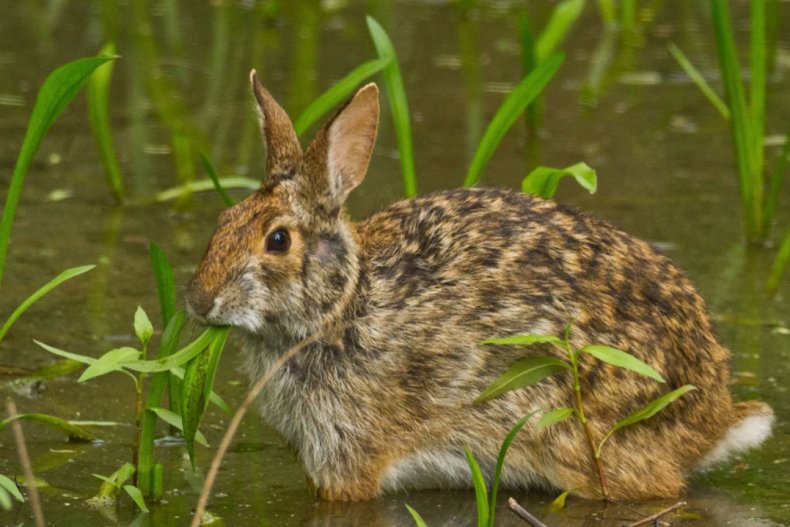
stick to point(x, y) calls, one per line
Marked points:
point(285, 258)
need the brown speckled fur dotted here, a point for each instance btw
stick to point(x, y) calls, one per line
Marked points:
point(402, 300)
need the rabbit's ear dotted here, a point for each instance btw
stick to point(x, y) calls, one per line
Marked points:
point(340, 152)
point(283, 152)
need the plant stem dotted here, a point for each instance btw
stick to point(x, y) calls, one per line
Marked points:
point(138, 427)
point(577, 389)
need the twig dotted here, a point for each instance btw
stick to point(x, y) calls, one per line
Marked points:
point(249, 399)
point(27, 468)
point(645, 521)
point(524, 514)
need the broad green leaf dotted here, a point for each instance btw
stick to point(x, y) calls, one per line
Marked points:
point(481, 494)
point(165, 283)
point(68, 274)
point(9, 485)
point(699, 81)
point(58, 90)
point(647, 411)
point(174, 420)
point(523, 373)
point(500, 462)
point(543, 181)
point(525, 340)
point(113, 360)
point(399, 107)
point(418, 521)
point(212, 174)
point(621, 359)
point(98, 95)
point(193, 402)
point(178, 358)
point(137, 496)
point(65, 354)
point(339, 91)
point(143, 327)
point(522, 95)
point(214, 397)
point(559, 502)
point(563, 16)
point(74, 432)
point(554, 416)
point(5, 499)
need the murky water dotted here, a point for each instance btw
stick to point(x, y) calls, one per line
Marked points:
point(620, 103)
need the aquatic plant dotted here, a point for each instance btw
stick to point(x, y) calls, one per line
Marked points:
point(746, 116)
point(535, 368)
point(9, 490)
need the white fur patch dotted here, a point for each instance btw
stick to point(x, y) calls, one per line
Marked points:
point(748, 433)
point(428, 469)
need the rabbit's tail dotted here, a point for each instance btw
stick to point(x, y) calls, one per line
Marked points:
point(752, 424)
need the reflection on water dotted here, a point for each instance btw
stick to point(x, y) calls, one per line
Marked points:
point(619, 103)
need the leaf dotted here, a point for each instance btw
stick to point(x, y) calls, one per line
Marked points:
point(98, 115)
point(418, 521)
point(214, 397)
point(699, 81)
point(113, 360)
point(621, 359)
point(108, 481)
point(74, 432)
point(543, 181)
point(647, 411)
point(559, 502)
point(525, 340)
point(137, 496)
point(178, 358)
point(339, 91)
point(524, 372)
point(143, 327)
point(5, 499)
point(481, 494)
point(500, 462)
point(68, 274)
point(399, 107)
point(555, 416)
point(212, 174)
point(65, 354)
point(10, 486)
point(174, 420)
point(203, 185)
point(563, 16)
point(522, 95)
point(58, 90)
point(165, 283)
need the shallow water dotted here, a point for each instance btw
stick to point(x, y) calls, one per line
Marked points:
point(620, 103)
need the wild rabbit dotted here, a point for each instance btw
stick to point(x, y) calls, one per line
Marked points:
point(398, 304)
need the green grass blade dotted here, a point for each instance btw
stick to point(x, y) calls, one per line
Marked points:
point(68, 274)
point(562, 18)
point(500, 463)
point(524, 372)
point(543, 181)
point(757, 87)
point(213, 397)
point(212, 174)
point(750, 180)
point(515, 104)
point(646, 412)
point(481, 494)
point(75, 432)
point(178, 358)
point(621, 359)
point(137, 496)
point(10, 486)
point(65, 354)
point(98, 95)
point(418, 521)
point(5, 499)
point(775, 187)
point(58, 90)
point(204, 185)
point(697, 78)
point(340, 91)
point(524, 340)
point(393, 81)
point(780, 264)
point(165, 282)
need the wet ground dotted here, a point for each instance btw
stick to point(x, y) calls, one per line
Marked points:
point(620, 103)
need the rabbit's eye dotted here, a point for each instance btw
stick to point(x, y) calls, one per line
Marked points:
point(278, 241)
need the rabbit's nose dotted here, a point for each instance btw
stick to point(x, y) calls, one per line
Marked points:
point(199, 301)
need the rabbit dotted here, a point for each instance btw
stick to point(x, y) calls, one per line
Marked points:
point(395, 307)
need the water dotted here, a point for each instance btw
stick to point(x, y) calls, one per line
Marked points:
point(621, 104)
